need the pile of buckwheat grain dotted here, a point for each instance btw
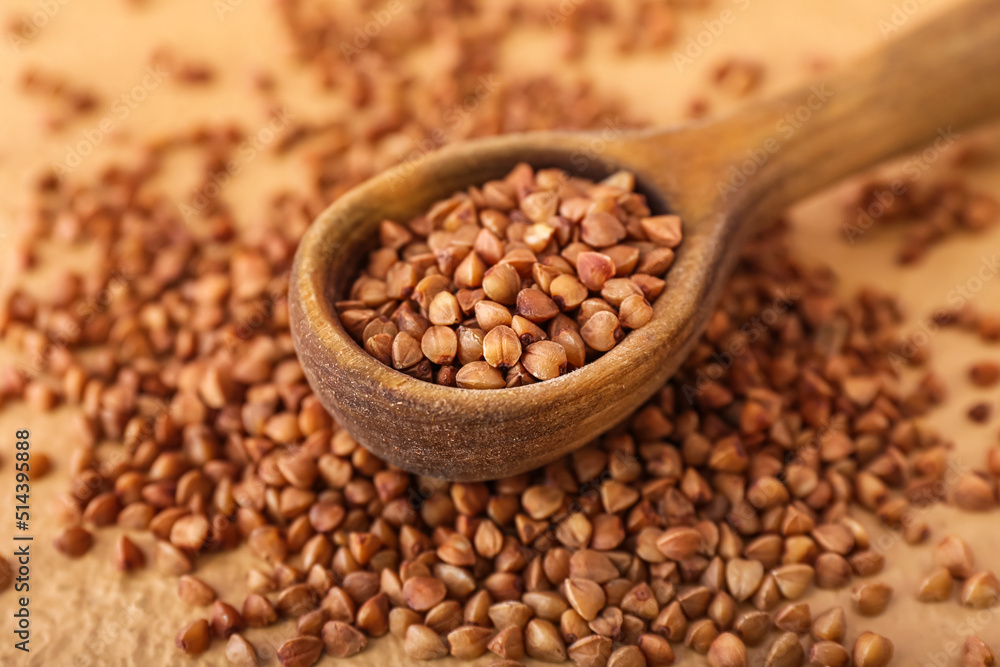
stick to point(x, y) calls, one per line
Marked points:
point(524, 279)
point(701, 523)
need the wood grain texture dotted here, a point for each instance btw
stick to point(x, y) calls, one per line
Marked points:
point(939, 76)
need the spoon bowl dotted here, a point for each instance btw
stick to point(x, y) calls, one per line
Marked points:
point(467, 433)
point(723, 178)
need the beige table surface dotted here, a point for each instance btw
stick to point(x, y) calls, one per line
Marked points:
point(85, 613)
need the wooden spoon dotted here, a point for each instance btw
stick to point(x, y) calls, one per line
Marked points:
point(721, 177)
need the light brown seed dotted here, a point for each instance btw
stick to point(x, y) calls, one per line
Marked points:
point(443, 310)
point(422, 643)
point(510, 614)
point(867, 563)
point(627, 656)
point(171, 560)
point(342, 640)
point(469, 641)
point(527, 331)
point(768, 595)
point(695, 600)
point(616, 290)
point(547, 605)
point(594, 269)
point(297, 599)
point(981, 590)
point(400, 619)
point(936, 586)
point(592, 651)
point(794, 617)
point(974, 493)
point(490, 314)
point(794, 579)
point(722, 610)
point(102, 510)
point(300, 651)
point(422, 593)
point(602, 331)
point(635, 312)
point(752, 626)
point(74, 541)
point(663, 229)
point(871, 598)
point(128, 556)
point(600, 230)
point(501, 347)
point(194, 638)
point(373, 615)
point(785, 651)
point(439, 345)
point(829, 654)
point(267, 543)
point(545, 360)
point(656, 650)
point(225, 620)
point(480, 375)
point(311, 623)
point(572, 626)
point(832, 571)
point(586, 597)
point(680, 543)
point(743, 578)
point(567, 292)
point(535, 306)
point(671, 622)
point(976, 653)
point(194, 591)
point(258, 612)
point(727, 651)
point(190, 532)
point(543, 642)
point(406, 351)
point(700, 635)
point(240, 652)
point(872, 650)
point(501, 283)
point(834, 537)
point(953, 554)
point(469, 272)
point(830, 625)
point(508, 643)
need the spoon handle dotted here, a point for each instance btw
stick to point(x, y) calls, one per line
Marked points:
point(920, 90)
